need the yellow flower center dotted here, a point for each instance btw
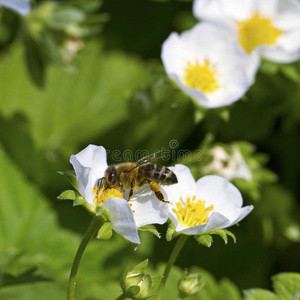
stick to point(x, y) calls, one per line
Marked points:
point(257, 31)
point(100, 195)
point(201, 76)
point(191, 212)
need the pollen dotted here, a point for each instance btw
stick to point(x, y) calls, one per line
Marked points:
point(201, 76)
point(192, 212)
point(256, 31)
point(100, 195)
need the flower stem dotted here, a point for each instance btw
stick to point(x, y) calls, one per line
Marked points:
point(94, 226)
point(121, 297)
point(180, 243)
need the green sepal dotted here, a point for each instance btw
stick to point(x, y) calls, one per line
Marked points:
point(102, 211)
point(141, 266)
point(287, 285)
point(170, 234)
point(71, 177)
point(222, 233)
point(68, 195)
point(150, 228)
point(74, 196)
point(290, 71)
point(204, 239)
point(156, 279)
point(225, 115)
point(230, 234)
point(105, 232)
point(124, 274)
point(133, 291)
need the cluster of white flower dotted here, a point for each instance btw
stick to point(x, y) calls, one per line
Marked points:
point(216, 61)
point(194, 207)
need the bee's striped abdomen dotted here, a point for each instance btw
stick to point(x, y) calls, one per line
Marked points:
point(159, 174)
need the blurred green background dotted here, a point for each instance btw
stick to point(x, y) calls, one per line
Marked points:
point(114, 92)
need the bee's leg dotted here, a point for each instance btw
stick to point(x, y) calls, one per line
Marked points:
point(121, 188)
point(100, 184)
point(131, 190)
point(155, 188)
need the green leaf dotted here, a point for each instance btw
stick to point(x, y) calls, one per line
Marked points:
point(287, 285)
point(92, 100)
point(150, 228)
point(26, 277)
point(35, 62)
point(228, 290)
point(61, 18)
point(204, 239)
point(105, 232)
point(29, 238)
point(259, 294)
point(36, 290)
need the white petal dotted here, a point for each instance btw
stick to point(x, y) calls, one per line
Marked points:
point(223, 195)
point(242, 213)
point(122, 220)
point(216, 189)
point(215, 221)
point(186, 183)
point(20, 6)
point(147, 209)
point(89, 165)
point(223, 12)
point(279, 55)
point(82, 174)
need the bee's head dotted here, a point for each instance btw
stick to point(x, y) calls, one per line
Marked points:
point(111, 175)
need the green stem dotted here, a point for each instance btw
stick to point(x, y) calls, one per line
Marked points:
point(181, 241)
point(94, 226)
point(121, 297)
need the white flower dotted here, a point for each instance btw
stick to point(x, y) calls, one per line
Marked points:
point(228, 165)
point(208, 204)
point(208, 66)
point(264, 28)
point(20, 6)
point(90, 165)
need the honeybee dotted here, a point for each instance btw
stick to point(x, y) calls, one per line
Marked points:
point(134, 175)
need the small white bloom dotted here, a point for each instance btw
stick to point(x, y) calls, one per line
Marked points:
point(268, 28)
point(20, 6)
point(208, 204)
point(90, 165)
point(208, 66)
point(228, 165)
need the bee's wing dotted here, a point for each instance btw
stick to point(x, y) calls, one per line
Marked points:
point(148, 159)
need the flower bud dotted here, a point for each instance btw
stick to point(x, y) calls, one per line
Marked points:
point(136, 284)
point(189, 284)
